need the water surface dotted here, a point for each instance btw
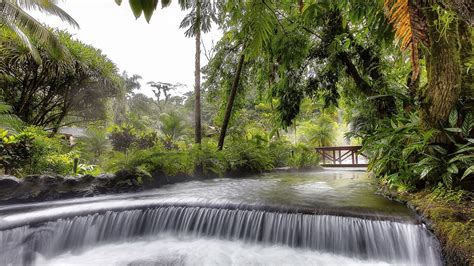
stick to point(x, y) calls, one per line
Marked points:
point(323, 218)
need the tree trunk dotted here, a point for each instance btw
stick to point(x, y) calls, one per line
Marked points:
point(443, 71)
point(230, 102)
point(197, 79)
point(467, 57)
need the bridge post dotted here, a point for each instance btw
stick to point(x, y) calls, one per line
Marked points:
point(343, 153)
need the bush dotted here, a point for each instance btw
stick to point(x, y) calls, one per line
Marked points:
point(126, 136)
point(152, 159)
point(32, 151)
point(408, 157)
point(15, 151)
point(209, 158)
point(303, 157)
point(280, 151)
point(248, 155)
point(393, 147)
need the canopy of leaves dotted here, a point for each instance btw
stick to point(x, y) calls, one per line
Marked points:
point(75, 87)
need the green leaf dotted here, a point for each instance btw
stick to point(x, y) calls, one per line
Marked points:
point(425, 172)
point(149, 6)
point(468, 171)
point(439, 149)
point(453, 117)
point(448, 180)
point(393, 124)
point(468, 124)
point(453, 169)
point(165, 3)
point(136, 6)
point(462, 158)
point(453, 129)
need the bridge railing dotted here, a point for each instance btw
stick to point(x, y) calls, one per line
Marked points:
point(340, 156)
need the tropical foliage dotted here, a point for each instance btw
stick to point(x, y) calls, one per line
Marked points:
point(58, 91)
point(285, 77)
point(30, 31)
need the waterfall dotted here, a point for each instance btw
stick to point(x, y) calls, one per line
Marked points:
point(382, 240)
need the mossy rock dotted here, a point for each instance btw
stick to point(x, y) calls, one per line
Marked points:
point(440, 213)
point(452, 223)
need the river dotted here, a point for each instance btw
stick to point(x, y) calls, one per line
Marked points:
point(305, 218)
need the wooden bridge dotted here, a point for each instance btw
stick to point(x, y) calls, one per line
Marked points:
point(340, 156)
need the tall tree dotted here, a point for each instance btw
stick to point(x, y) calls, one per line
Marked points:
point(230, 102)
point(250, 25)
point(76, 87)
point(440, 26)
point(198, 20)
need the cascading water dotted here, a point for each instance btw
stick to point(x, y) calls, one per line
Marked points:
point(92, 231)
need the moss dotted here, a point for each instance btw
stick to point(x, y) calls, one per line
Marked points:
point(452, 221)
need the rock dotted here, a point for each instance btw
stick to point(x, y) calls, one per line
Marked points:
point(124, 175)
point(70, 181)
point(9, 182)
point(86, 178)
point(105, 177)
point(32, 179)
point(50, 180)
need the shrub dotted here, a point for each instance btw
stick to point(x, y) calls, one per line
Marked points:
point(408, 157)
point(394, 146)
point(209, 158)
point(15, 151)
point(303, 157)
point(32, 151)
point(280, 151)
point(248, 155)
point(95, 144)
point(126, 136)
point(152, 159)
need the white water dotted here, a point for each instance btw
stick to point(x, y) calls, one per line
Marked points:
point(174, 251)
point(329, 218)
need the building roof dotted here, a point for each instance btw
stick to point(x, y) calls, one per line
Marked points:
point(76, 132)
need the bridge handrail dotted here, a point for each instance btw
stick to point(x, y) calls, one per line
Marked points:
point(354, 147)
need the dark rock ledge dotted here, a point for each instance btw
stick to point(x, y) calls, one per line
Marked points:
point(50, 187)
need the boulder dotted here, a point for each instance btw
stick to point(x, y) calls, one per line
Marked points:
point(105, 177)
point(86, 178)
point(51, 180)
point(32, 179)
point(9, 182)
point(70, 181)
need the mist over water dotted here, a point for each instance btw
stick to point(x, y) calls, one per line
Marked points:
point(174, 251)
point(322, 218)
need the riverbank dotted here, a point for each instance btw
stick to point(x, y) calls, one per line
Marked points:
point(34, 188)
point(450, 216)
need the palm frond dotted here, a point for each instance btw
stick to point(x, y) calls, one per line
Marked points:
point(49, 7)
point(25, 40)
point(7, 119)
point(18, 20)
point(410, 28)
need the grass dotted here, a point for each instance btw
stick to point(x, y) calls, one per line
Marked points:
point(450, 214)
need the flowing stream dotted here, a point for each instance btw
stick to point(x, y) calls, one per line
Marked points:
point(314, 218)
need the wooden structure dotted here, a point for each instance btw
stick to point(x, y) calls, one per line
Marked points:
point(341, 156)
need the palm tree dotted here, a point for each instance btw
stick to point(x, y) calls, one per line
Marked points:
point(97, 142)
point(173, 127)
point(14, 16)
point(196, 21)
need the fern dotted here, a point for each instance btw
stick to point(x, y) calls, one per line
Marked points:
point(8, 120)
point(410, 28)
